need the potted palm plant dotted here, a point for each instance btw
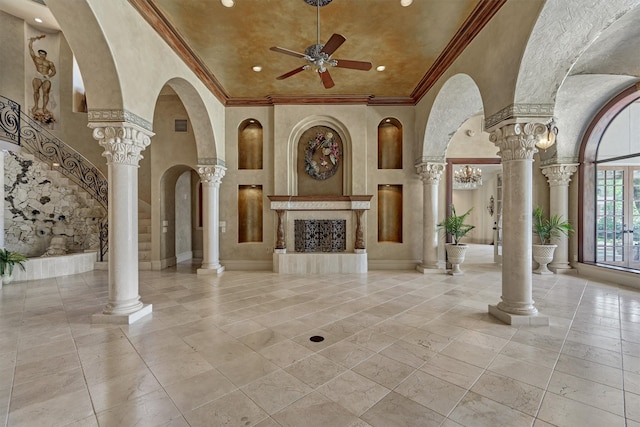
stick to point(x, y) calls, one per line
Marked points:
point(547, 229)
point(455, 226)
point(8, 260)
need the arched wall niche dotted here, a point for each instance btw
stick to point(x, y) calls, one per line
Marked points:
point(250, 144)
point(390, 144)
point(295, 136)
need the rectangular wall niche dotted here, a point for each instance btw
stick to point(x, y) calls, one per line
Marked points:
point(320, 235)
point(249, 213)
point(390, 213)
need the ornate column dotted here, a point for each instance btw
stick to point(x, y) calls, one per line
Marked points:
point(559, 177)
point(122, 142)
point(359, 242)
point(430, 174)
point(517, 147)
point(211, 177)
point(280, 240)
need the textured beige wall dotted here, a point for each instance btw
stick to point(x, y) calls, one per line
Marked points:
point(169, 155)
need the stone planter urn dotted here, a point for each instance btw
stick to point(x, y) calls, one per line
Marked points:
point(543, 255)
point(455, 255)
point(6, 278)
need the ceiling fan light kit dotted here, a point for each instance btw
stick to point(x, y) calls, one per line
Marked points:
point(318, 56)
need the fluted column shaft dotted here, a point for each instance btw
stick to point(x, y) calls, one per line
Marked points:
point(517, 147)
point(122, 143)
point(559, 177)
point(430, 174)
point(211, 177)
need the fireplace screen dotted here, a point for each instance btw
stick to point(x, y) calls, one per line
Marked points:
point(320, 235)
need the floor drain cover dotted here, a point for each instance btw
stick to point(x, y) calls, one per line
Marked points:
point(316, 338)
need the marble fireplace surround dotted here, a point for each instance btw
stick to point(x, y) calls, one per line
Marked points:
point(348, 208)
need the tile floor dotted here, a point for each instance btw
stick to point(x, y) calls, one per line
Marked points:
point(400, 349)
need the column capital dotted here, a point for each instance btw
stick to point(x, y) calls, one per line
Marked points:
point(122, 142)
point(429, 172)
point(210, 174)
point(517, 141)
point(559, 174)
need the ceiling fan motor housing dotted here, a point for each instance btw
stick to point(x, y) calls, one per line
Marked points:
point(317, 2)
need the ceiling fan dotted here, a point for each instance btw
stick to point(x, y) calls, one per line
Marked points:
point(318, 56)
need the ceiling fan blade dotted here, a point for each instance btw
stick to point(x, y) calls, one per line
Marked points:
point(327, 81)
point(333, 44)
point(354, 65)
point(292, 72)
point(287, 52)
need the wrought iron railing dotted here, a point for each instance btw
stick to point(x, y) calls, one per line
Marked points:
point(18, 128)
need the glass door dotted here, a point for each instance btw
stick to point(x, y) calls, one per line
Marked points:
point(618, 215)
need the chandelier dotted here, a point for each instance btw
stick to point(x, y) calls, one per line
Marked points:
point(467, 178)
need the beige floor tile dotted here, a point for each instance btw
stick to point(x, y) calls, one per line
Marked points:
point(44, 388)
point(428, 340)
point(397, 410)
point(346, 353)
point(632, 406)
point(315, 410)
point(561, 411)
point(261, 339)
point(589, 392)
point(155, 408)
point(451, 370)
point(246, 369)
point(512, 393)
point(384, 371)
point(353, 392)
point(593, 371)
point(315, 370)
point(275, 391)
point(432, 392)
point(470, 353)
point(60, 409)
point(593, 354)
point(529, 373)
point(56, 364)
point(285, 353)
point(475, 410)
point(409, 353)
point(531, 354)
point(233, 409)
point(118, 390)
point(198, 390)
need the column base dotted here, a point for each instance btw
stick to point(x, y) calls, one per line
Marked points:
point(428, 269)
point(518, 320)
point(122, 319)
point(210, 270)
point(563, 269)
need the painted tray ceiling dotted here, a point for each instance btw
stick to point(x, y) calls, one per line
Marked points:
point(225, 43)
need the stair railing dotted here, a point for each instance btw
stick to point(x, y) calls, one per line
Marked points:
point(20, 129)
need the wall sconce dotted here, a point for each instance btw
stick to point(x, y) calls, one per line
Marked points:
point(548, 138)
point(491, 206)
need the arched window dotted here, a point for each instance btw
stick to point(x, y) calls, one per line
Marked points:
point(610, 185)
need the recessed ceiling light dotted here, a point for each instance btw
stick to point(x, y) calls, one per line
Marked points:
point(388, 121)
point(227, 3)
point(406, 3)
point(38, 20)
point(380, 67)
point(256, 68)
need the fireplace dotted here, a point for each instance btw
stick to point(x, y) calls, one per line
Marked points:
point(325, 232)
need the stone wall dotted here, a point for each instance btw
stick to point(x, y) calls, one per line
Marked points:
point(40, 204)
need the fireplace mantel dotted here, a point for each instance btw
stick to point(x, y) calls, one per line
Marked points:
point(320, 203)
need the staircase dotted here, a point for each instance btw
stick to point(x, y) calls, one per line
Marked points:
point(69, 209)
point(144, 236)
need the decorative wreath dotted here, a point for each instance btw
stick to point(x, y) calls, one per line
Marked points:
point(322, 156)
